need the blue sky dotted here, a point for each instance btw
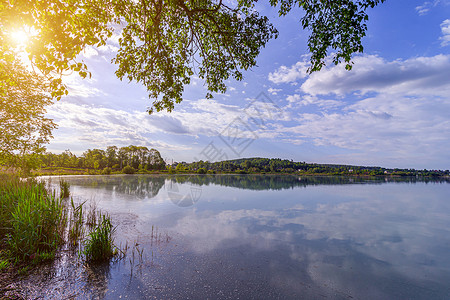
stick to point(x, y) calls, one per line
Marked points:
point(391, 110)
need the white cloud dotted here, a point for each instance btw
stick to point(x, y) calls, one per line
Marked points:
point(111, 47)
point(108, 48)
point(89, 52)
point(370, 73)
point(445, 28)
point(401, 118)
point(289, 74)
point(306, 100)
point(79, 87)
point(104, 126)
point(426, 7)
point(398, 128)
point(293, 98)
point(274, 91)
point(423, 9)
point(100, 126)
point(117, 34)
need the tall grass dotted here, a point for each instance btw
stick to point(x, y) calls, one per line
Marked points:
point(76, 229)
point(99, 245)
point(32, 220)
point(34, 223)
point(64, 187)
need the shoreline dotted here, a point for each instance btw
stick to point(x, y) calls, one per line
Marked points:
point(74, 172)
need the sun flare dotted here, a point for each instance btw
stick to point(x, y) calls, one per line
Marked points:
point(20, 37)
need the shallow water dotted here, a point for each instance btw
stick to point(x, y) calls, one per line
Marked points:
point(262, 237)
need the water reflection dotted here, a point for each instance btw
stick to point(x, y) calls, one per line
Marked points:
point(65, 278)
point(279, 182)
point(266, 237)
point(140, 187)
point(148, 186)
point(390, 243)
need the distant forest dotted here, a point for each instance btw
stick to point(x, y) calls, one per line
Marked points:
point(277, 165)
point(138, 159)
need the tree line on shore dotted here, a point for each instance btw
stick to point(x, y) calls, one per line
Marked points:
point(277, 165)
point(140, 159)
point(128, 159)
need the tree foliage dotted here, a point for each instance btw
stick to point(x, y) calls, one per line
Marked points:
point(23, 125)
point(338, 25)
point(137, 157)
point(58, 31)
point(277, 165)
point(163, 43)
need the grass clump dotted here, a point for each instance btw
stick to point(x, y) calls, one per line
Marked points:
point(35, 222)
point(64, 187)
point(76, 229)
point(32, 220)
point(99, 245)
point(91, 217)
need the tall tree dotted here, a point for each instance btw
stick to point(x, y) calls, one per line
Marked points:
point(23, 125)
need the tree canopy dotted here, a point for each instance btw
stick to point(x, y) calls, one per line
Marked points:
point(23, 125)
point(163, 43)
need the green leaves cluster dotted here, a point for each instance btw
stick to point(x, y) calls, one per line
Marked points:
point(59, 30)
point(338, 25)
point(165, 42)
point(23, 125)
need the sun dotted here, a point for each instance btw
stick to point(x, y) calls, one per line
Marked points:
point(20, 37)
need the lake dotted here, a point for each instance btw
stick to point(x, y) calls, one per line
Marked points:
point(262, 237)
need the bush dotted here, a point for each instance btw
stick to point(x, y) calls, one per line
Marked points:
point(201, 171)
point(106, 171)
point(128, 170)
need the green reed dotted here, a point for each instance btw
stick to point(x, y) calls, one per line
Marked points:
point(64, 187)
point(76, 229)
point(32, 220)
point(99, 244)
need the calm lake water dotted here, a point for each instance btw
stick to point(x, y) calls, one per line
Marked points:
point(262, 237)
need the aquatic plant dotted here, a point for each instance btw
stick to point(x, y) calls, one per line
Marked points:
point(64, 187)
point(99, 244)
point(32, 220)
point(3, 264)
point(76, 229)
point(91, 217)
